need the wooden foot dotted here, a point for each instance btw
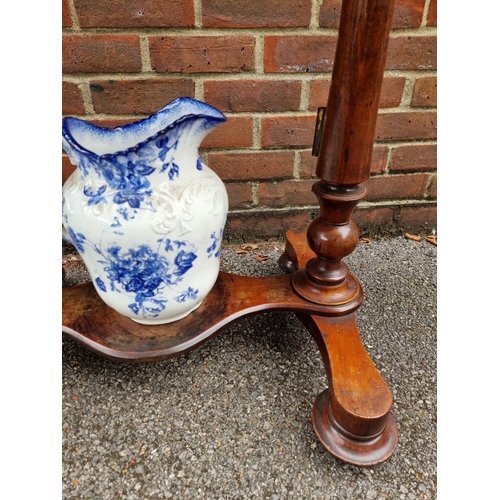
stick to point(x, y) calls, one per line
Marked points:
point(352, 418)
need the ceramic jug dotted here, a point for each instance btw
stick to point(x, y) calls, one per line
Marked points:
point(144, 212)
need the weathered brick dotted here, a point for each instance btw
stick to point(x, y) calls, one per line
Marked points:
point(390, 96)
point(407, 13)
point(299, 54)
point(414, 157)
point(418, 215)
point(135, 13)
point(412, 53)
point(253, 95)
point(379, 161)
point(286, 131)
point(137, 96)
point(406, 126)
point(267, 224)
point(201, 54)
point(252, 166)
point(72, 100)
point(235, 133)
point(67, 22)
point(397, 187)
point(101, 54)
point(67, 168)
point(286, 193)
point(432, 14)
point(239, 194)
point(255, 14)
point(425, 92)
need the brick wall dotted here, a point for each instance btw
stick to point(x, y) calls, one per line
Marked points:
point(266, 64)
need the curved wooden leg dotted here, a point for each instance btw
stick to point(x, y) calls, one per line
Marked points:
point(352, 418)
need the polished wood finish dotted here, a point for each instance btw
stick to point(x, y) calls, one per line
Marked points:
point(352, 418)
point(351, 115)
point(89, 321)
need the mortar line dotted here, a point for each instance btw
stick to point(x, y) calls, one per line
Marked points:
point(259, 55)
point(74, 16)
point(201, 31)
point(87, 98)
point(145, 55)
point(425, 14)
point(255, 193)
point(362, 204)
point(297, 165)
point(198, 18)
point(315, 10)
point(257, 132)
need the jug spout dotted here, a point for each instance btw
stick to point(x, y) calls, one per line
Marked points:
point(181, 116)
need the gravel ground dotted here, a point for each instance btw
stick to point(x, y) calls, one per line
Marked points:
point(231, 420)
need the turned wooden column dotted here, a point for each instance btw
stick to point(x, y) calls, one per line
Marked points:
point(352, 418)
point(346, 152)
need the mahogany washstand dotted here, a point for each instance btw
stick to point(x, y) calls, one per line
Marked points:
point(352, 418)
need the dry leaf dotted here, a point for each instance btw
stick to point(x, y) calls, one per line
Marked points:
point(249, 247)
point(365, 240)
point(409, 236)
point(432, 239)
point(240, 251)
point(261, 258)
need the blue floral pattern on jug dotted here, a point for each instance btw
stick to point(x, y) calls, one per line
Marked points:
point(143, 273)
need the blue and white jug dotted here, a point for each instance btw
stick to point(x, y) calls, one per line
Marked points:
point(144, 212)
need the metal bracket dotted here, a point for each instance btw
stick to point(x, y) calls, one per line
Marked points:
point(318, 131)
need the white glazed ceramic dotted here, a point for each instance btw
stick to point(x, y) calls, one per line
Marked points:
point(145, 213)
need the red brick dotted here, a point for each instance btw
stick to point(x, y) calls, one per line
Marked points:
point(137, 96)
point(237, 132)
point(265, 224)
point(247, 166)
point(72, 100)
point(67, 168)
point(425, 92)
point(112, 122)
point(433, 188)
point(373, 216)
point(201, 54)
point(135, 13)
point(101, 54)
point(390, 97)
point(397, 187)
point(67, 22)
point(286, 193)
point(432, 14)
point(412, 53)
point(299, 54)
point(329, 14)
point(239, 194)
point(255, 14)
point(415, 157)
point(253, 95)
point(418, 215)
point(379, 161)
point(286, 131)
point(406, 126)
point(407, 13)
